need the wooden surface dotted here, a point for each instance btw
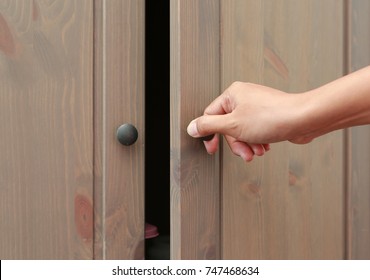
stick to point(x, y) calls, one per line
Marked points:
point(119, 98)
point(46, 129)
point(290, 203)
point(195, 198)
point(60, 160)
point(358, 164)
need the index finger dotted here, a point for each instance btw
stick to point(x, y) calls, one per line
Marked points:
point(220, 106)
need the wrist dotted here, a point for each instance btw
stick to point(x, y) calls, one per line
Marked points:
point(323, 111)
point(307, 124)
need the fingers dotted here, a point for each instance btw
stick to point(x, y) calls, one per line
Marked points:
point(218, 120)
point(214, 119)
point(209, 124)
point(220, 106)
point(246, 151)
point(212, 145)
point(240, 149)
point(257, 149)
point(266, 147)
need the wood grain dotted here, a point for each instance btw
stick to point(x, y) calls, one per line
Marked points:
point(288, 204)
point(358, 162)
point(118, 99)
point(195, 197)
point(46, 146)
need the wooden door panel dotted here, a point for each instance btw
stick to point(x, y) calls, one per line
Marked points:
point(46, 128)
point(119, 98)
point(195, 198)
point(290, 203)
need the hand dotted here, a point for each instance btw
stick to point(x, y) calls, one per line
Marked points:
point(250, 117)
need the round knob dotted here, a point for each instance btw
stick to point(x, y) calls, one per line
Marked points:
point(127, 134)
point(207, 138)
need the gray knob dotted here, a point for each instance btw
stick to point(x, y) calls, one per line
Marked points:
point(207, 138)
point(127, 134)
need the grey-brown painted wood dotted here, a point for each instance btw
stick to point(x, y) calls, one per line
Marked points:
point(290, 203)
point(359, 139)
point(46, 129)
point(195, 198)
point(119, 98)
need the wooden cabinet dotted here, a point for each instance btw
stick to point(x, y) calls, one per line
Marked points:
point(72, 71)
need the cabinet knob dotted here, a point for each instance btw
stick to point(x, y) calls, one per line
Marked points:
point(127, 134)
point(207, 138)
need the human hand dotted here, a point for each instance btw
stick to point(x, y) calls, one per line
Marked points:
point(251, 116)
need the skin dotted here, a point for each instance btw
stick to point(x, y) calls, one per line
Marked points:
point(252, 116)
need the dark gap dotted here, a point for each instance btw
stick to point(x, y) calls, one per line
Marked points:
point(157, 126)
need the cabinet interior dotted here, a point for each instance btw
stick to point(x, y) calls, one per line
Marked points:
point(157, 125)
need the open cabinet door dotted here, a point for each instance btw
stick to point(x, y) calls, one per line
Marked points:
point(195, 195)
point(298, 201)
point(71, 72)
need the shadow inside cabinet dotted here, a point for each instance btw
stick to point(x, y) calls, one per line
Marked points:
point(157, 129)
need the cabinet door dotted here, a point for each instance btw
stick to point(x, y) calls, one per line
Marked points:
point(119, 98)
point(298, 201)
point(195, 193)
point(71, 71)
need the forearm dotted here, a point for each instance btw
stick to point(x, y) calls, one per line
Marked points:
point(342, 103)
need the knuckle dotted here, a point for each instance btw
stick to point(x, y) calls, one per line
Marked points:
point(234, 86)
point(201, 125)
point(237, 84)
point(233, 127)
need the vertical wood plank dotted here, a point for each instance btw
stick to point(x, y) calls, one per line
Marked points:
point(46, 129)
point(241, 59)
point(359, 139)
point(288, 204)
point(194, 40)
point(119, 98)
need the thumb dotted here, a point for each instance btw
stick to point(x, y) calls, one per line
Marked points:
point(207, 125)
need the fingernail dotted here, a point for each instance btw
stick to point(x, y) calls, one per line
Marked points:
point(258, 151)
point(192, 129)
point(246, 158)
